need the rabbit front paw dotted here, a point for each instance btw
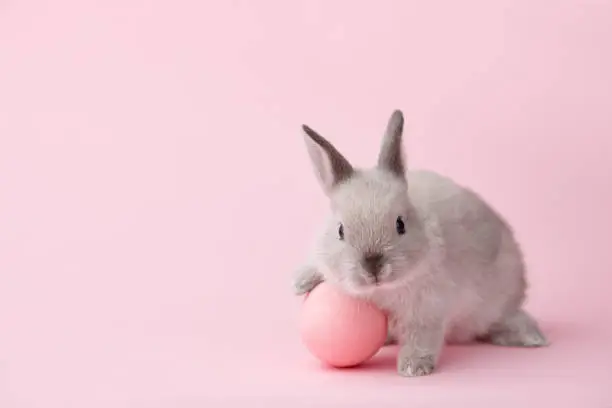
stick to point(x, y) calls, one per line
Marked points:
point(306, 279)
point(419, 352)
point(415, 366)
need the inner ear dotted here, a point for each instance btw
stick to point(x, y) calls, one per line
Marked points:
point(331, 167)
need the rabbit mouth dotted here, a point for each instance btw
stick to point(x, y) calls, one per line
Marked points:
point(374, 287)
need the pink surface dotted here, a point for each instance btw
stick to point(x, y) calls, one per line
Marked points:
point(155, 192)
point(341, 330)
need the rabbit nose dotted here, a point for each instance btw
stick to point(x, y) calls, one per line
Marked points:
point(372, 263)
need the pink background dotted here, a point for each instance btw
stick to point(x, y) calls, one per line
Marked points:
point(155, 191)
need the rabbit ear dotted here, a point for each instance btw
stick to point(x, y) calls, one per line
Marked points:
point(391, 155)
point(330, 166)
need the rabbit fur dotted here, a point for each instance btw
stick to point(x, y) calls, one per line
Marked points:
point(432, 254)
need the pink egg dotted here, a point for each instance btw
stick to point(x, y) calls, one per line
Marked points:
point(341, 330)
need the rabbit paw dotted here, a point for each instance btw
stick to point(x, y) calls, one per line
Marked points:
point(306, 279)
point(415, 366)
point(517, 330)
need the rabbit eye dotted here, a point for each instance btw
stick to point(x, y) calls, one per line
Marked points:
point(399, 226)
point(341, 232)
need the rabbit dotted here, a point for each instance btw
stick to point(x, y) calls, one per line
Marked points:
point(433, 255)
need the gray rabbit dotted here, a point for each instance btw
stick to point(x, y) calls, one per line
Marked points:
point(431, 253)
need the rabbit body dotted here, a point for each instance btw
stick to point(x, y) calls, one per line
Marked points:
point(431, 253)
point(473, 274)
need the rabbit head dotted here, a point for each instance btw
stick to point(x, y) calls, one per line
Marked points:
point(374, 237)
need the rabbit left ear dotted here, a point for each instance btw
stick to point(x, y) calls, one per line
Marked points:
point(330, 166)
point(391, 156)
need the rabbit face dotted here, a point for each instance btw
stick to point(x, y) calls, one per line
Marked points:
point(374, 237)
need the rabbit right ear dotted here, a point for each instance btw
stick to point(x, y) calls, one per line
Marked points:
point(391, 157)
point(331, 168)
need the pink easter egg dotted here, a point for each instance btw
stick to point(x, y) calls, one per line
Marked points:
point(339, 329)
